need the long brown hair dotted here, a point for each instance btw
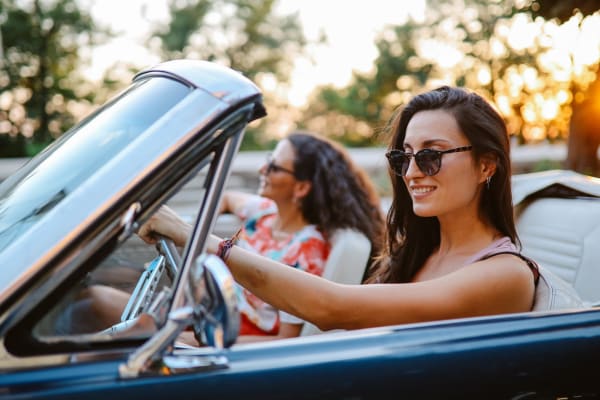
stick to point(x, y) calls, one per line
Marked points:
point(342, 195)
point(411, 239)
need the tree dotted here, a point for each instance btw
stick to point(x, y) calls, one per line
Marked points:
point(493, 47)
point(348, 114)
point(246, 35)
point(584, 134)
point(38, 70)
point(450, 46)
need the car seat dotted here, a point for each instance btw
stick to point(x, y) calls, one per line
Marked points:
point(350, 251)
point(558, 222)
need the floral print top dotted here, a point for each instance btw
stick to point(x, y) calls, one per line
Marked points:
point(306, 249)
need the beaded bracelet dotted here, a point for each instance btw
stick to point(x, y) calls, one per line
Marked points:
point(226, 244)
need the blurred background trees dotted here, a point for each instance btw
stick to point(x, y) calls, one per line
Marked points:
point(537, 61)
point(246, 35)
point(40, 71)
point(584, 131)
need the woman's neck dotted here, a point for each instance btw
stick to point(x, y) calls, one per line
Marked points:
point(458, 242)
point(289, 219)
point(466, 236)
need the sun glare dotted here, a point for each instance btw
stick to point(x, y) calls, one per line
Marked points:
point(523, 32)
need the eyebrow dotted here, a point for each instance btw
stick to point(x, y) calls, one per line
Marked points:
point(429, 142)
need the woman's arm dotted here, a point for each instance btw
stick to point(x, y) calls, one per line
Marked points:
point(499, 285)
point(166, 222)
point(234, 201)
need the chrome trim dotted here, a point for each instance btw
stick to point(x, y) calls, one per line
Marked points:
point(88, 206)
point(121, 174)
point(223, 83)
point(142, 359)
point(209, 211)
point(182, 314)
point(128, 220)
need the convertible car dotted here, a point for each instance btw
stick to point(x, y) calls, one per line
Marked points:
point(67, 226)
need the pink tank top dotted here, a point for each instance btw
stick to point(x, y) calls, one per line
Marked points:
point(504, 246)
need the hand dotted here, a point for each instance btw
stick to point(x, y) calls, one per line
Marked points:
point(167, 223)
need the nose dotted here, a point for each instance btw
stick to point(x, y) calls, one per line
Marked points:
point(263, 169)
point(413, 170)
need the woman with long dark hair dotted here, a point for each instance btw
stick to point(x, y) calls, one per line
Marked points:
point(451, 247)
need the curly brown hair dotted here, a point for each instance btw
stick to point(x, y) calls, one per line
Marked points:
point(342, 194)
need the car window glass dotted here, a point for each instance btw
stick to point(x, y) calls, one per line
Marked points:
point(45, 182)
point(96, 302)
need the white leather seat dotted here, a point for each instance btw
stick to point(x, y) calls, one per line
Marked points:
point(347, 262)
point(562, 234)
point(348, 258)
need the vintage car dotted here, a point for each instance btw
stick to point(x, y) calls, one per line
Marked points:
point(68, 219)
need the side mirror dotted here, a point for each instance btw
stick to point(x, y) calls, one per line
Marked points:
point(210, 306)
point(212, 291)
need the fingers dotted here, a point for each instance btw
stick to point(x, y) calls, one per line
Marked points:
point(146, 233)
point(167, 223)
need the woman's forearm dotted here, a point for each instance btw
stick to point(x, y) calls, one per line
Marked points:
point(299, 293)
point(324, 303)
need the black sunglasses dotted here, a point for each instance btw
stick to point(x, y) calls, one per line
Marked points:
point(429, 161)
point(272, 167)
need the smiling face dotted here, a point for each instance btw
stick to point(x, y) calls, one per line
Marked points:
point(455, 188)
point(277, 184)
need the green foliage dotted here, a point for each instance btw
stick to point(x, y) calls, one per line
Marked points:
point(39, 69)
point(254, 139)
point(246, 35)
point(546, 164)
point(12, 146)
point(460, 42)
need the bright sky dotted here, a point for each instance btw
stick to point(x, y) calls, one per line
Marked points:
point(350, 26)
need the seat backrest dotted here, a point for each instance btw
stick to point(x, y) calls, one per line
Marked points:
point(563, 236)
point(348, 258)
point(347, 262)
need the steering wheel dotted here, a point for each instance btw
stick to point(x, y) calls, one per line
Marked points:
point(141, 299)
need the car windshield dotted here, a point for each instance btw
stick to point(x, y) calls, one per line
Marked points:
point(54, 174)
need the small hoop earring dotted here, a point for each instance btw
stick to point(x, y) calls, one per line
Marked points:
point(487, 182)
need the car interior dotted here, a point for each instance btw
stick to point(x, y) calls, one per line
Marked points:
point(565, 244)
point(558, 227)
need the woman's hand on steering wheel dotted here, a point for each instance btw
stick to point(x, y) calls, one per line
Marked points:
point(167, 223)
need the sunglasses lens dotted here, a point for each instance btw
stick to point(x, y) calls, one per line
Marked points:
point(399, 162)
point(428, 161)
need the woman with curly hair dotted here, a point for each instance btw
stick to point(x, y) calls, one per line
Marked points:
point(309, 188)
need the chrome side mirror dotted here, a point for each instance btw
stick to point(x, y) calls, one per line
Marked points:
point(212, 293)
point(210, 307)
